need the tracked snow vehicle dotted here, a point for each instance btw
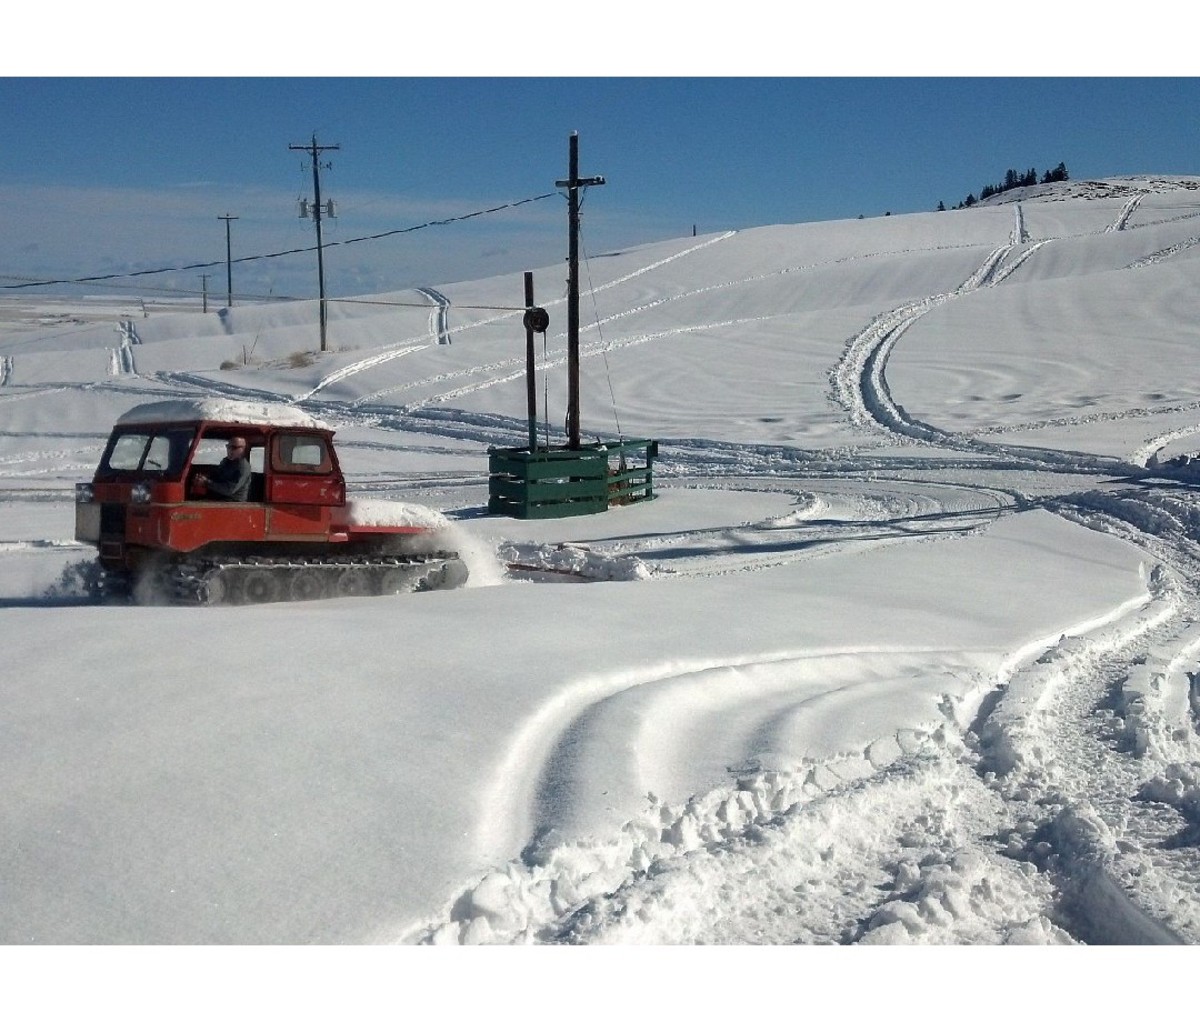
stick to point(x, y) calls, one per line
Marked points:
point(161, 532)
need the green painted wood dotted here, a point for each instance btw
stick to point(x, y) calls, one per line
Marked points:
point(560, 482)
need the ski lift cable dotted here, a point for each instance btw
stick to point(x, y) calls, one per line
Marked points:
point(545, 392)
point(600, 330)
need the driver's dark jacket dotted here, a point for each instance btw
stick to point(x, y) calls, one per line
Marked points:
point(231, 480)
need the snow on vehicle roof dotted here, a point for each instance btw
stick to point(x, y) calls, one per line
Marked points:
point(220, 410)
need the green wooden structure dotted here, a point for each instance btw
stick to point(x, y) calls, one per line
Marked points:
point(558, 482)
point(576, 479)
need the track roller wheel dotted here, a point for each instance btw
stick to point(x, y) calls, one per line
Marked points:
point(353, 582)
point(221, 589)
point(260, 585)
point(306, 585)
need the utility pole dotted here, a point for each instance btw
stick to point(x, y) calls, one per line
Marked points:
point(315, 151)
point(573, 183)
point(228, 261)
point(204, 283)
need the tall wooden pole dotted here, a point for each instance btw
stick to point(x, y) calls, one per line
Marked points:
point(315, 150)
point(573, 298)
point(324, 316)
point(573, 183)
point(228, 261)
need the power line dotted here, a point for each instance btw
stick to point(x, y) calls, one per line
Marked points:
point(275, 255)
point(186, 292)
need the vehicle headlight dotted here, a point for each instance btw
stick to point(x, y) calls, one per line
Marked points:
point(84, 494)
point(140, 494)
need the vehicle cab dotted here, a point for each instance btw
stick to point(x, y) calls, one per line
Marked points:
point(148, 493)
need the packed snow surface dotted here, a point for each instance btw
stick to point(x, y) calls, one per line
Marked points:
point(904, 651)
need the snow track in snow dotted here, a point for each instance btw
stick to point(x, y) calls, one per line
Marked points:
point(439, 318)
point(781, 857)
point(1165, 253)
point(976, 830)
point(1015, 827)
point(1019, 234)
point(1055, 800)
point(1062, 741)
point(358, 367)
point(439, 329)
point(1093, 700)
point(859, 380)
point(121, 361)
point(1030, 814)
point(982, 829)
point(1123, 218)
point(1060, 710)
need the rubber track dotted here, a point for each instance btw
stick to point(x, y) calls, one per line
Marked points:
point(214, 581)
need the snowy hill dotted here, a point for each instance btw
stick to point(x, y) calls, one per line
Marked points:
point(904, 652)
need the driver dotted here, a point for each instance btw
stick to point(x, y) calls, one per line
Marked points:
point(231, 479)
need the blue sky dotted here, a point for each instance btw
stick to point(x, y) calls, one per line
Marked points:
point(102, 174)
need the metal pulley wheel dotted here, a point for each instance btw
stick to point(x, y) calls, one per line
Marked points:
point(536, 319)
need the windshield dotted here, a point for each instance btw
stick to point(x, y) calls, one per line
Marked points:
point(160, 451)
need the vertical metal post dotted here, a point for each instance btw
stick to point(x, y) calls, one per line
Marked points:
point(530, 377)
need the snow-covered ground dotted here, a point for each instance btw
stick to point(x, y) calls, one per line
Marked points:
point(904, 652)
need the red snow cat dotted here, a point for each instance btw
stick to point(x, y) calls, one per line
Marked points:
point(216, 501)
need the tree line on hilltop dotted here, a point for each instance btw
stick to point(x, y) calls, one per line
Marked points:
point(1014, 179)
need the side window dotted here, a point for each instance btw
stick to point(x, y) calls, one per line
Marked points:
point(300, 453)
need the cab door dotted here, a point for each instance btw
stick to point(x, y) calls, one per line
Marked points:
point(303, 482)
